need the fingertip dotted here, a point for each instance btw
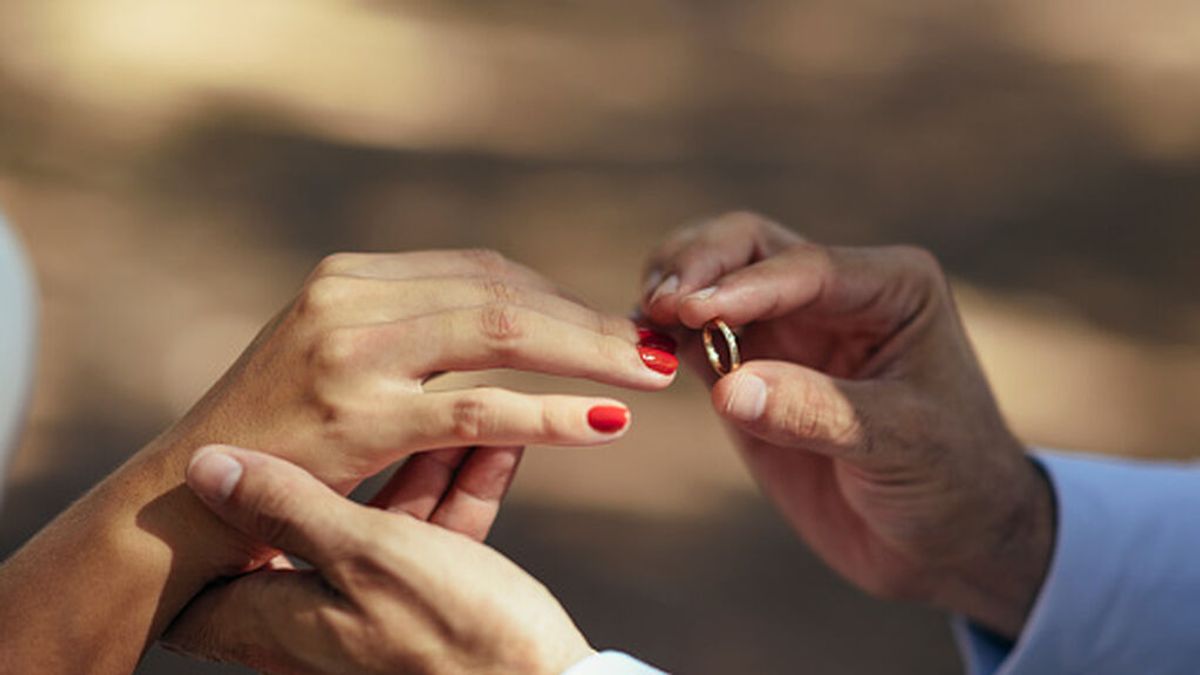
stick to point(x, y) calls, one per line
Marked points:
point(695, 313)
point(214, 473)
point(741, 396)
point(653, 278)
point(202, 452)
point(667, 288)
point(701, 295)
point(610, 419)
point(662, 362)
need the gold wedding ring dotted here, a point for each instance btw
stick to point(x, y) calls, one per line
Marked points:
point(731, 347)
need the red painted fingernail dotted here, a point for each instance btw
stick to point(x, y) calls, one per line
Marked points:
point(608, 419)
point(659, 360)
point(652, 338)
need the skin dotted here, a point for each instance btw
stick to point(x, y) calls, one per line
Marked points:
point(388, 593)
point(861, 410)
point(334, 385)
point(863, 413)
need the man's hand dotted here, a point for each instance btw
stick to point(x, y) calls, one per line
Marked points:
point(864, 414)
point(388, 592)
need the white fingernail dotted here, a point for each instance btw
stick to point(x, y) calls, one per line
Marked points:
point(214, 475)
point(652, 281)
point(703, 293)
point(748, 401)
point(665, 288)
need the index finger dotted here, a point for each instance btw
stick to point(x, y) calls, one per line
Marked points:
point(697, 257)
point(878, 288)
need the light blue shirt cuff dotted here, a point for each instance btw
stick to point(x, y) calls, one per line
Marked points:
point(18, 319)
point(1122, 594)
point(612, 663)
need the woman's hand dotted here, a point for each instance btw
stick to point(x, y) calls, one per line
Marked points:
point(863, 413)
point(388, 593)
point(335, 385)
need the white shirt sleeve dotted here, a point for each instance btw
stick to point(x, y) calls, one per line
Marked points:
point(17, 340)
point(1122, 594)
point(612, 663)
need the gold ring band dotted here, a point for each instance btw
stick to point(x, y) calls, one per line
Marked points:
point(731, 345)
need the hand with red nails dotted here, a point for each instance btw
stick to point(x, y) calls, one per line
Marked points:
point(388, 593)
point(863, 413)
point(336, 385)
point(345, 365)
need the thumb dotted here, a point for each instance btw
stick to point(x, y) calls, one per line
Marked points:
point(790, 405)
point(270, 500)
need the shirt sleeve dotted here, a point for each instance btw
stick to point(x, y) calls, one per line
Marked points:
point(17, 333)
point(1122, 594)
point(612, 663)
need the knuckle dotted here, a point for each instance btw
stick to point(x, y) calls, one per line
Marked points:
point(919, 259)
point(814, 255)
point(745, 221)
point(498, 291)
point(549, 424)
point(613, 350)
point(920, 273)
point(321, 295)
point(611, 326)
point(473, 417)
point(501, 324)
point(337, 263)
point(334, 351)
point(490, 263)
point(817, 259)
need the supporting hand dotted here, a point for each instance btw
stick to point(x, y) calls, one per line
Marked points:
point(387, 593)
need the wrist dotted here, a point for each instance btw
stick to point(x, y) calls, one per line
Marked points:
point(998, 586)
point(203, 545)
point(138, 547)
point(568, 658)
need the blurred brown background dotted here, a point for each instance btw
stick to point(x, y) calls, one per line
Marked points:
point(176, 168)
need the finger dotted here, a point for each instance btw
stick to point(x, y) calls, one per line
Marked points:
point(347, 300)
point(656, 268)
point(504, 336)
point(279, 562)
point(270, 621)
point(710, 251)
point(789, 405)
point(472, 503)
point(420, 483)
point(880, 286)
point(442, 263)
point(489, 416)
point(272, 501)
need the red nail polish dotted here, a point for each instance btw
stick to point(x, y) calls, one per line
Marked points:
point(608, 419)
point(657, 340)
point(659, 360)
